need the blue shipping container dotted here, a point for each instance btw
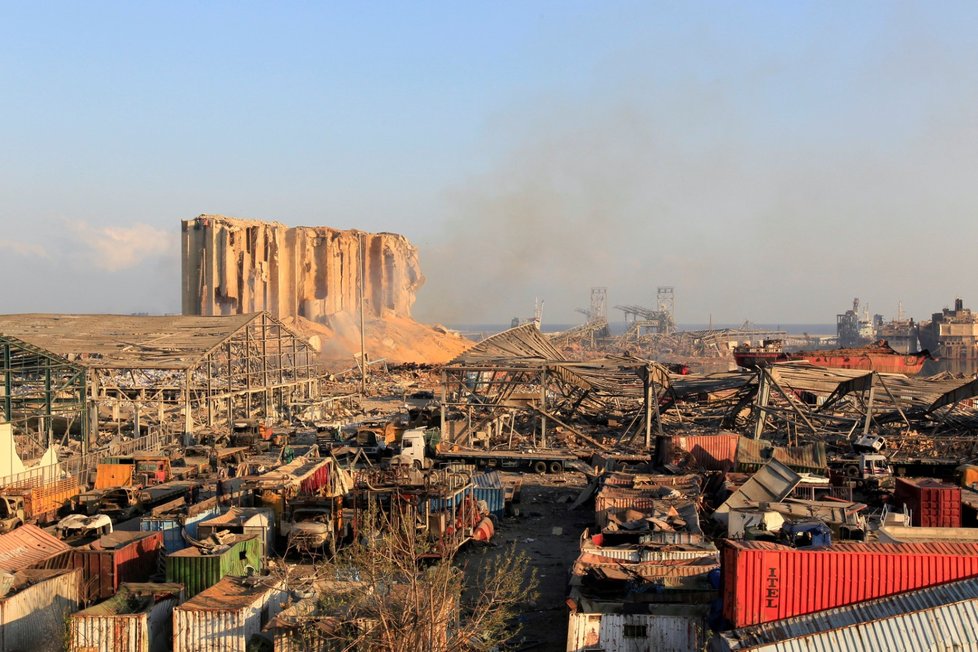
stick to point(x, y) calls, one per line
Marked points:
point(489, 487)
point(172, 527)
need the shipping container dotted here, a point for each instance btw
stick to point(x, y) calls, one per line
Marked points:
point(815, 631)
point(752, 454)
point(114, 558)
point(173, 527)
point(139, 618)
point(710, 452)
point(29, 546)
point(489, 487)
point(682, 630)
point(249, 521)
point(110, 476)
point(763, 582)
point(931, 503)
point(224, 617)
point(198, 570)
point(32, 615)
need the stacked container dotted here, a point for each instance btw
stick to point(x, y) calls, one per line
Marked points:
point(931, 503)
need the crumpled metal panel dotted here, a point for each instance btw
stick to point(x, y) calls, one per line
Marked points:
point(28, 545)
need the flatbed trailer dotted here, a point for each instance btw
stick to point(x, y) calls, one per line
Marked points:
point(538, 461)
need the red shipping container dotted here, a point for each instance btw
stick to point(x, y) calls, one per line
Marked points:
point(118, 557)
point(763, 582)
point(931, 503)
point(711, 452)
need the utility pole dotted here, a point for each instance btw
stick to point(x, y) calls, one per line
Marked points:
point(363, 344)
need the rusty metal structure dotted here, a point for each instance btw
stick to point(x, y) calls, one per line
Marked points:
point(71, 374)
point(517, 382)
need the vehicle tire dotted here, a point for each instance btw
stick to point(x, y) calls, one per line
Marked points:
point(417, 465)
point(540, 467)
point(851, 470)
point(556, 467)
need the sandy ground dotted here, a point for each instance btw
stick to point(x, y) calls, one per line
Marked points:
point(550, 535)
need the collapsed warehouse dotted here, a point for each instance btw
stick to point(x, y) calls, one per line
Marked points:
point(77, 377)
point(687, 474)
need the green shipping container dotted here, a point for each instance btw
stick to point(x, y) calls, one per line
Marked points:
point(198, 571)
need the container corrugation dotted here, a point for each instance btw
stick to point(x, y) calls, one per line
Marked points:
point(640, 554)
point(862, 612)
point(34, 618)
point(101, 629)
point(173, 527)
point(951, 627)
point(223, 618)
point(632, 632)
point(198, 572)
point(763, 582)
point(132, 557)
point(711, 452)
point(752, 454)
point(118, 633)
point(931, 503)
point(27, 546)
point(489, 487)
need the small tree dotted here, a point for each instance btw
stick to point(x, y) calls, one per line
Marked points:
point(391, 591)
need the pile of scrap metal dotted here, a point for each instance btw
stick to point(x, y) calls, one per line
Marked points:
point(440, 505)
point(761, 507)
point(507, 389)
point(647, 567)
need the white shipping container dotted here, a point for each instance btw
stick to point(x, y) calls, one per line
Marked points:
point(33, 618)
point(137, 619)
point(635, 632)
point(225, 616)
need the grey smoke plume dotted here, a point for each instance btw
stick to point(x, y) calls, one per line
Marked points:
point(771, 190)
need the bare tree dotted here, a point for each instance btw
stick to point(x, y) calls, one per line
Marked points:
point(394, 591)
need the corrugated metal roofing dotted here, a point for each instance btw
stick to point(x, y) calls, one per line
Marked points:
point(231, 593)
point(127, 341)
point(950, 627)
point(28, 545)
point(854, 614)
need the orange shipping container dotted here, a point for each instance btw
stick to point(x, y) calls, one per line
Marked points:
point(110, 476)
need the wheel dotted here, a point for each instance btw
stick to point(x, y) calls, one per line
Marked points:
point(851, 471)
point(540, 466)
point(556, 467)
point(417, 465)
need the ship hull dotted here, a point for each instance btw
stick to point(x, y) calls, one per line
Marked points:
point(870, 359)
point(755, 359)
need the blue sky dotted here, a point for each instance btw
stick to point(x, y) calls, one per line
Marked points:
point(769, 160)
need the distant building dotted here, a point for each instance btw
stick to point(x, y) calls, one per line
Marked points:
point(951, 334)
